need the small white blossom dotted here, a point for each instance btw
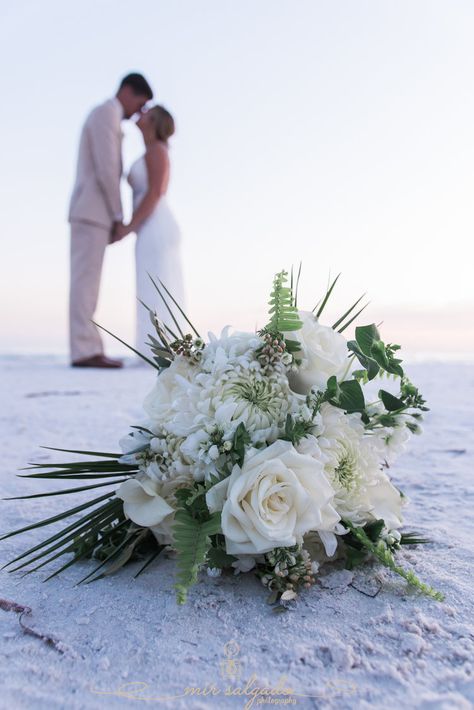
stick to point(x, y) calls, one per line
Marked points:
point(213, 572)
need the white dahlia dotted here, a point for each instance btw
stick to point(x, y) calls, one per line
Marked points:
point(363, 492)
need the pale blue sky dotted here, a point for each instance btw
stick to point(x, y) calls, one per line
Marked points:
point(336, 133)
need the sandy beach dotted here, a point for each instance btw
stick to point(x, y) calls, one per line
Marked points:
point(357, 639)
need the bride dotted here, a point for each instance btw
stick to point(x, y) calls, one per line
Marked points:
point(157, 249)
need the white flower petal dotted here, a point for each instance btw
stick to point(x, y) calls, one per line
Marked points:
point(141, 505)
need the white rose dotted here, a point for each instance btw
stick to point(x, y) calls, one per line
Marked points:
point(273, 500)
point(323, 353)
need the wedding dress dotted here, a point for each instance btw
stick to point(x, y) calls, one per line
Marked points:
point(157, 252)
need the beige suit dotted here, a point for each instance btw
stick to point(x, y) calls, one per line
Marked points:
point(95, 205)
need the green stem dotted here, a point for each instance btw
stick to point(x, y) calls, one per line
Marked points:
point(351, 360)
point(383, 554)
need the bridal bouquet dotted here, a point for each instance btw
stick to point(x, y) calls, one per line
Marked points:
point(262, 451)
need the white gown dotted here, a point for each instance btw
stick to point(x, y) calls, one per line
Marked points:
point(157, 252)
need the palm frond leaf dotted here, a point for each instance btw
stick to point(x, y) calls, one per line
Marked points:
point(326, 297)
point(66, 491)
point(58, 517)
point(137, 352)
point(91, 518)
point(167, 306)
point(346, 325)
point(349, 310)
point(181, 311)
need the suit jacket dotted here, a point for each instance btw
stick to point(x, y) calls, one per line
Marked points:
point(96, 194)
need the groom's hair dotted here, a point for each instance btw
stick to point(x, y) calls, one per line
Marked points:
point(138, 84)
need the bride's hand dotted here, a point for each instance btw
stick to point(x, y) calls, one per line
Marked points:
point(121, 231)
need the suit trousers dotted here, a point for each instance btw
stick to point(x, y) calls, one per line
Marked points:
point(88, 243)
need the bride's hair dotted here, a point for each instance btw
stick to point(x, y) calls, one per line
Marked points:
point(163, 121)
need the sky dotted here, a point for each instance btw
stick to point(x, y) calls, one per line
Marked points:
point(336, 134)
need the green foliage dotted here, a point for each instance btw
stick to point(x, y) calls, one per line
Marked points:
point(329, 290)
point(140, 355)
point(372, 368)
point(240, 441)
point(296, 429)
point(413, 538)
point(217, 556)
point(390, 402)
point(121, 550)
point(101, 527)
point(346, 395)
point(292, 346)
point(194, 499)
point(193, 530)
point(355, 551)
point(284, 315)
point(373, 354)
point(384, 555)
point(162, 353)
point(411, 395)
point(192, 539)
point(342, 323)
point(295, 290)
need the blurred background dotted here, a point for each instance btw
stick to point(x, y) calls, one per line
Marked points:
point(335, 134)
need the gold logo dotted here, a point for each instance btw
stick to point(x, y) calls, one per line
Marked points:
point(249, 690)
point(231, 665)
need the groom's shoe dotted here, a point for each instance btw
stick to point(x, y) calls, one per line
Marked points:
point(98, 361)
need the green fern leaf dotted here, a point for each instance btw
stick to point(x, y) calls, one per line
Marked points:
point(284, 314)
point(192, 542)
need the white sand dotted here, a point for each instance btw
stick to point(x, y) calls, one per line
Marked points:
point(346, 649)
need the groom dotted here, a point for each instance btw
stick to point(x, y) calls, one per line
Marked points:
point(95, 209)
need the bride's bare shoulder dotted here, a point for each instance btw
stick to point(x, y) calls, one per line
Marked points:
point(158, 148)
point(156, 156)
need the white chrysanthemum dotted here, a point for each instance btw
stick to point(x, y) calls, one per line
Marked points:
point(172, 403)
point(240, 394)
point(237, 349)
point(323, 354)
point(363, 492)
